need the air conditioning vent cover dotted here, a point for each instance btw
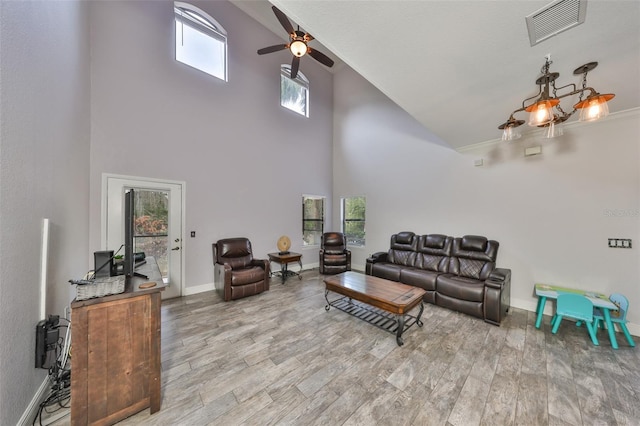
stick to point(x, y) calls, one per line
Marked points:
point(554, 18)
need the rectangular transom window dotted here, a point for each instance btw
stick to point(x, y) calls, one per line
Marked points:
point(294, 93)
point(201, 42)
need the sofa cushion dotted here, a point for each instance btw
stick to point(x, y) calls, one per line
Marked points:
point(388, 271)
point(403, 249)
point(335, 259)
point(248, 275)
point(470, 308)
point(419, 278)
point(433, 241)
point(333, 243)
point(471, 268)
point(404, 238)
point(460, 287)
point(473, 243)
point(473, 256)
point(433, 252)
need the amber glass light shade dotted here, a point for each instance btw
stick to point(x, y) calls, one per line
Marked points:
point(298, 48)
point(541, 112)
point(594, 107)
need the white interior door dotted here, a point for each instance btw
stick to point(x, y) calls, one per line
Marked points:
point(159, 228)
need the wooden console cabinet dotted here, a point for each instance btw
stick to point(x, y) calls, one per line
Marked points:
point(115, 353)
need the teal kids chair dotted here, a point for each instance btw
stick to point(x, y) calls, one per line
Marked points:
point(578, 307)
point(619, 317)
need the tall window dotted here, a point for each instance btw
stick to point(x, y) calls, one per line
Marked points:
point(200, 41)
point(294, 94)
point(353, 215)
point(312, 219)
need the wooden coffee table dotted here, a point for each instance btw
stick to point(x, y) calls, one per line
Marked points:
point(385, 304)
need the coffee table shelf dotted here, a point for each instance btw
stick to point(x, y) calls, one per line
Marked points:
point(374, 316)
point(383, 303)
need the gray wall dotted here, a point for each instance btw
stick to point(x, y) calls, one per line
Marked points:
point(552, 214)
point(246, 161)
point(44, 172)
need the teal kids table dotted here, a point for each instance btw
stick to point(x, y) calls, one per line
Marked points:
point(599, 300)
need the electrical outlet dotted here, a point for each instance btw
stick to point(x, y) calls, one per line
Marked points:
point(620, 243)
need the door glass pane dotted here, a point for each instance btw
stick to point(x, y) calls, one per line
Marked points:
point(151, 234)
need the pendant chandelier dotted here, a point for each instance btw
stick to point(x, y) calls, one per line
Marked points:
point(545, 109)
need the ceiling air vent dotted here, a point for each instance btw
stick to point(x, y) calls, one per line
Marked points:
point(555, 18)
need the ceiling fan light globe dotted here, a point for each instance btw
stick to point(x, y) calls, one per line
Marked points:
point(298, 48)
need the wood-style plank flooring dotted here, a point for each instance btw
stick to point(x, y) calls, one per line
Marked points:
point(280, 358)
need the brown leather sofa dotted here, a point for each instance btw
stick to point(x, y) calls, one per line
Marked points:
point(334, 255)
point(457, 273)
point(236, 273)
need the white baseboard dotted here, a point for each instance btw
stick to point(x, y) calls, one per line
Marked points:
point(32, 409)
point(188, 291)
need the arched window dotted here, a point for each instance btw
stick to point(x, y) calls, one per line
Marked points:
point(294, 93)
point(201, 42)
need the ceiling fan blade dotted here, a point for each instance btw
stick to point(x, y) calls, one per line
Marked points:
point(284, 21)
point(321, 57)
point(295, 64)
point(271, 49)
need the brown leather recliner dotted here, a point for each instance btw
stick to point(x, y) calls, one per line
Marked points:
point(334, 256)
point(236, 273)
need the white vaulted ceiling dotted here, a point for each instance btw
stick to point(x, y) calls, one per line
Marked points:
point(461, 67)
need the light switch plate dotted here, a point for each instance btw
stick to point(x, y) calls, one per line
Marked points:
point(533, 150)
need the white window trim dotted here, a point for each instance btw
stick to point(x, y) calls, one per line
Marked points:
point(342, 219)
point(213, 29)
point(302, 80)
point(324, 216)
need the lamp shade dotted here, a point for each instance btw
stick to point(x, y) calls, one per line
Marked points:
point(510, 129)
point(553, 130)
point(298, 48)
point(594, 107)
point(511, 133)
point(541, 112)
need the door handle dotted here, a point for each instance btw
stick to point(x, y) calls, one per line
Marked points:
point(175, 248)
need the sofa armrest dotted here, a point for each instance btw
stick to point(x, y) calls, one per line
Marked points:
point(500, 275)
point(497, 296)
point(380, 256)
point(263, 263)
